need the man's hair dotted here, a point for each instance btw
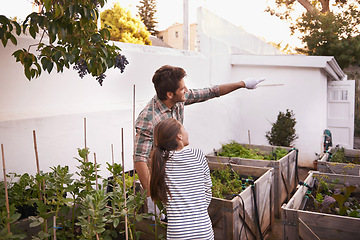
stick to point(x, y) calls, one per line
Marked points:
point(166, 79)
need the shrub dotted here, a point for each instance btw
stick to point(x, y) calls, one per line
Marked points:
point(282, 132)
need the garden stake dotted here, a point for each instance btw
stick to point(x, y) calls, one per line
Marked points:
point(249, 138)
point(5, 185)
point(124, 185)
point(85, 138)
point(37, 162)
point(112, 154)
point(134, 152)
point(54, 227)
point(96, 175)
point(38, 171)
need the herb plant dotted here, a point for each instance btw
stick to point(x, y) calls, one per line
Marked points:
point(226, 183)
point(82, 208)
point(235, 149)
point(325, 198)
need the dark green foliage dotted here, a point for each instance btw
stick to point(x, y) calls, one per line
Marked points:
point(67, 34)
point(325, 198)
point(147, 10)
point(332, 34)
point(226, 183)
point(340, 157)
point(327, 28)
point(282, 132)
point(81, 206)
point(235, 149)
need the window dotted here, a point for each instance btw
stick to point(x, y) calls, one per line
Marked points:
point(176, 34)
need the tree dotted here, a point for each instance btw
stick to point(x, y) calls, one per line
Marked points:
point(147, 10)
point(325, 31)
point(72, 39)
point(283, 131)
point(124, 27)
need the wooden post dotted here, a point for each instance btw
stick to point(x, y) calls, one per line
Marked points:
point(6, 190)
point(38, 171)
point(85, 138)
point(249, 138)
point(37, 163)
point(124, 184)
point(112, 154)
point(134, 187)
point(96, 175)
point(54, 227)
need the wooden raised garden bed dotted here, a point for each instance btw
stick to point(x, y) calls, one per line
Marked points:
point(236, 218)
point(299, 223)
point(339, 160)
point(285, 170)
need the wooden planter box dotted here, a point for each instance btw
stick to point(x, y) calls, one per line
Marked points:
point(300, 224)
point(285, 170)
point(325, 165)
point(227, 216)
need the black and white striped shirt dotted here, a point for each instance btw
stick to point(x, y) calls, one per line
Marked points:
point(189, 182)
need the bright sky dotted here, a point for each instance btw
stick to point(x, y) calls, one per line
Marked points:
point(249, 14)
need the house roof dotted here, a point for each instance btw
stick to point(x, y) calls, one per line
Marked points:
point(158, 42)
point(325, 63)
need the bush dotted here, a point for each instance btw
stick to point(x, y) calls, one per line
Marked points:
point(282, 132)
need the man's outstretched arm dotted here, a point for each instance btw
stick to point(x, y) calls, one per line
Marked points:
point(249, 83)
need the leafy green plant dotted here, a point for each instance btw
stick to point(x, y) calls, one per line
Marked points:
point(226, 183)
point(283, 132)
point(328, 199)
point(67, 35)
point(82, 209)
point(235, 149)
point(340, 156)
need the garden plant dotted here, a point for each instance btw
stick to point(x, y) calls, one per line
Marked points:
point(235, 149)
point(227, 183)
point(328, 198)
point(69, 207)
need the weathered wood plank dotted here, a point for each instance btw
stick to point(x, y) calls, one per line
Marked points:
point(313, 225)
point(288, 163)
point(290, 223)
point(237, 217)
point(305, 231)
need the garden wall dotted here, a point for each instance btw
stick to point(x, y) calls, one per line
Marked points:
point(55, 106)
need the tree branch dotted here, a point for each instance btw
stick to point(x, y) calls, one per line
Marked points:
point(325, 6)
point(307, 5)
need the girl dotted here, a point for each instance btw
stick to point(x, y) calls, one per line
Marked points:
point(180, 178)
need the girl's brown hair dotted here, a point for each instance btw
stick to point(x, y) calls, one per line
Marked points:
point(165, 134)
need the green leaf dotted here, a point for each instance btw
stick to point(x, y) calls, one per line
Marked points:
point(44, 63)
point(116, 222)
point(27, 72)
point(50, 66)
point(13, 39)
point(32, 32)
point(47, 4)
point(35, 224)
point(17, 26)
point(4, 41)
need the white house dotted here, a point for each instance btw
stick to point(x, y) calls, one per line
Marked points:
point(55, 105)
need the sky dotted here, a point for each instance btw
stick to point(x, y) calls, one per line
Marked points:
point(248, 14)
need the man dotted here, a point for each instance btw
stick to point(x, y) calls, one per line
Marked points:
point(171, 97)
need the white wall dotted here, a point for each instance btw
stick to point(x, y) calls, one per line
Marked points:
point(302, 90)
point(55, 106)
